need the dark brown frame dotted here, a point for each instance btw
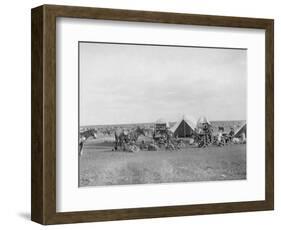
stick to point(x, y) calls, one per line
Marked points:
point(43, 160)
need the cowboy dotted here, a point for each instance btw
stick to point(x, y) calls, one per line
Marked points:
point(231, 133)
point(220, 140)
point(205, 132)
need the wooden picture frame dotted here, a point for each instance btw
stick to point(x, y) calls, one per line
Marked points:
point(43, 160)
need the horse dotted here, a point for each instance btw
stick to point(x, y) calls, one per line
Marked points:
point(84, 136)
point(122, 137)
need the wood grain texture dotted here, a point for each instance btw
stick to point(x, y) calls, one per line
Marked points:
point(43, 158)
point(269, 116)
point(37, 115)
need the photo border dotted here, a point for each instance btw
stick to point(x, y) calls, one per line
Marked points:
point(43, 125)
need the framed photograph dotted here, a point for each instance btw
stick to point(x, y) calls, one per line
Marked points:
point(139, 114)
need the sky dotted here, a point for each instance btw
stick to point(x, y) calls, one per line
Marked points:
point(122, 83)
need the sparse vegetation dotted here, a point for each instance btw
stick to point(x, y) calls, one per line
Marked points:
point(100, 166)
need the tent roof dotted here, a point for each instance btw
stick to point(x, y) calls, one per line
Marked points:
point(186, 120)
point(237, 132)
point(203, 120)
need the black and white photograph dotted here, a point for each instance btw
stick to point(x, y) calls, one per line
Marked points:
point(154, 113)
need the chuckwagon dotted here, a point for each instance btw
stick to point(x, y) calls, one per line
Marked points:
point(160, 131)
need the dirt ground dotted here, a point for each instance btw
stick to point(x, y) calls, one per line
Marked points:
point(100, 166)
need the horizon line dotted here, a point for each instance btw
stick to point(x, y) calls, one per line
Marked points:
point(135, 123)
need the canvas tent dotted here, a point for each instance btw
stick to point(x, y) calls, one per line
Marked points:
point(240, 130)
point(203, 120)
point(183, 128)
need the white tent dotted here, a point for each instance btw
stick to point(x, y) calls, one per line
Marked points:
point(240, 130)
point(183, 127)
point(202, 120)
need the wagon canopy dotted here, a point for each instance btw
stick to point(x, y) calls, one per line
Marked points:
point(183, 128)
point(161, 121)
point(161, 124)
point(240, 130)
